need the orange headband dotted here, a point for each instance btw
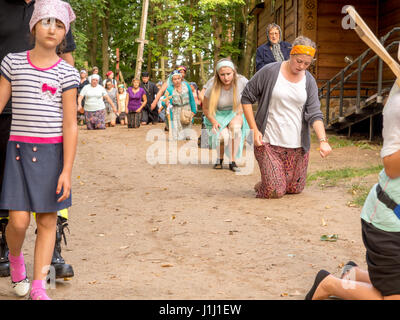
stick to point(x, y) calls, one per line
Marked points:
point(300, 49)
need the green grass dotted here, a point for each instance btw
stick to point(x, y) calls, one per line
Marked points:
point(331, 177)
point(360, 193)
point(341, 142)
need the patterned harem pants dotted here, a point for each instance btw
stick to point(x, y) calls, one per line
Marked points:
point(95, 119)
point(283, 170)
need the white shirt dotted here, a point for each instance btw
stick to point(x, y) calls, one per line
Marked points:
point(285, 113)
point(93, 97)
point(391, 123)
point(225, 101)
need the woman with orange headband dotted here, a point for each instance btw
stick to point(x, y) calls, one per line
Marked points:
point(288, 104)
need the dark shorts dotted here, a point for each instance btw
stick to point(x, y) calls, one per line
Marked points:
point(383, 258)
point(31, 178)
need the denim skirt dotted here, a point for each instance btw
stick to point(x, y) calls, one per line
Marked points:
point(31, 177)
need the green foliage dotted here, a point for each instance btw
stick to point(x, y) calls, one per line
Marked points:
point(178, 29)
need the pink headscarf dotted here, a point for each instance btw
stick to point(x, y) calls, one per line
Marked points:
point(52, 9)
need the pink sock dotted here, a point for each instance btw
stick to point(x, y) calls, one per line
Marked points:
point(17, 268)
point(38, 291)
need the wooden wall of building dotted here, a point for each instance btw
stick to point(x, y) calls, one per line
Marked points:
point(325, 28)
point(335, 43)
point(286, 14)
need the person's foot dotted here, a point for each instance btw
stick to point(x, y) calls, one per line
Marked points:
point(39, 294)
point(347, 267)
point(316, 291)
point(62, 269)
point(19, 281)
point(234, 167)
point(257, 186)
point(218, 164)
point(4, 262)
point(21, 288)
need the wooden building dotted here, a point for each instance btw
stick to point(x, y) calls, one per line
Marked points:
point(326, 23)
point(321, 21)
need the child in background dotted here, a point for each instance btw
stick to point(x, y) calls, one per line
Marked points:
point(122, 103)
point(42, 144)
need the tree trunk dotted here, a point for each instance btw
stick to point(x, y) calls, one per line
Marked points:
point(251, 40)
point(105, 22)
point(217, 27)
point(93, 40)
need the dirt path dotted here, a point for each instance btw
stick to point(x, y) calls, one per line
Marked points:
point(141, 231)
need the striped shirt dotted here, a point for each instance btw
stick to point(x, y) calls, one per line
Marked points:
point(37, 111)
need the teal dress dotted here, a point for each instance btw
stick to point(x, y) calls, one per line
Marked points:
point(180, 101)
point(224, 117)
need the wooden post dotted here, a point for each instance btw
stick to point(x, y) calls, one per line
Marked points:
point(162, 69)
point(117, 67)
point(202, 72)
point(141, 40)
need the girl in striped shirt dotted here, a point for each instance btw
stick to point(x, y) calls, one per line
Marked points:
point(42, 144)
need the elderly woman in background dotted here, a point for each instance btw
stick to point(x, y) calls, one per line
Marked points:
point(95, 112)
point(181, 106)
point(275, 50)
point(288, 105)
point(223, 112)
point(111, 115)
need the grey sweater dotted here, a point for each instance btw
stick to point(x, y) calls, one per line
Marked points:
point(259, 89)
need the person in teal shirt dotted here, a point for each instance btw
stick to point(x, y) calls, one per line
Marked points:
point(180, 102)
point(380, 220)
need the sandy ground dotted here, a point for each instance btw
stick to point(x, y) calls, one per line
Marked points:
point(186, 231)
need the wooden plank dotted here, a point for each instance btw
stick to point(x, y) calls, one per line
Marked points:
point(326, 73)
point(335, 20)
point(347, 48)
point(368, 37)
point(332, 34)
point(363, 7)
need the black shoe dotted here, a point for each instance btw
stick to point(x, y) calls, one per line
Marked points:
point(62, 269)
point(218, 164)
point(234, 167)
point(4, 263)
point(321, 275)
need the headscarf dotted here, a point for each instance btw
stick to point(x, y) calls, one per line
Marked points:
point(52, 9)
point(275, 47)
point(173, 73)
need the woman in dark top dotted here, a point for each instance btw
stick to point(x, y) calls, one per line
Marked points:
point(275, 50)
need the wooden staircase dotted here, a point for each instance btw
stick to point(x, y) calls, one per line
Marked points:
point(348, 101)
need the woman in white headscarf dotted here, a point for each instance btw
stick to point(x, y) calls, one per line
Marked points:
point(95, 109)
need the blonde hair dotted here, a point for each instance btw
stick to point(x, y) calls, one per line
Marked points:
point(216, 90)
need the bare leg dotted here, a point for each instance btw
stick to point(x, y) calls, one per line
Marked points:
point(16, 230)
point(46, 237)
point(346, 289)
point(235, 132)
point(357, 274)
